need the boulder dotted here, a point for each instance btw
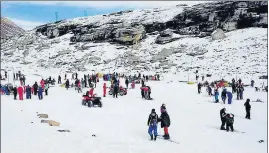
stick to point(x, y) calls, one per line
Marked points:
point(42, 115)
point(218, 34)
point(53, 123)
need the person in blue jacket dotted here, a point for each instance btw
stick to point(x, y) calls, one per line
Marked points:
point(28, 92)
point(230, 97)
point(152, 123)
point(216, 96)
point(40, 92)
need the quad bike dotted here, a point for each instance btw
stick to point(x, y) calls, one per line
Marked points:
point(91, 101)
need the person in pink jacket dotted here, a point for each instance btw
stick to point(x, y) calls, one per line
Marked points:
point(42, 83)
point(20, 92)
point(91, 92)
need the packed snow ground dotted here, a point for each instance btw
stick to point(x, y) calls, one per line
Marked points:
point(121, 125)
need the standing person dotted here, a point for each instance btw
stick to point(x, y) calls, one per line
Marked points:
point(248, 107)
point(104, 90)
point(223, 118)
point(229, 122)
point(46, 88)
point(165, 121)
point(252, 83)
point(203, 77)
point(40, 92)
point(35, 88)
point(20, 92)
point(67, 84)
point(241, 91)
point(59, 80)
point(216, 95)
point(65, 77)
point(79, 87)
point(82, 83)
point(152, 123)
point(15, 93)
point(230, 97)
point(5, 74)
point(76, 75)
point(85, 81)
point(91, 92)
point(199, 87)
point(14, 76)
point(224, 95)
point(158, 77)
point(42, 83)
point(126, 82)
point(28, 92)
point(116, 89)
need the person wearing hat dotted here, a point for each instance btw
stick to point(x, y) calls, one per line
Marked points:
point(165, 121)
point(152, 123)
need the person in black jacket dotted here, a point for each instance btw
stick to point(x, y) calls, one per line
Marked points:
point(199, 88)
point(59, 80)
point(152, 123)
point(126, 82)
point(223, 118)
point(229, 122)
point(35, 88)
point(15, 93)
point(165, 121)
point(67, 84)
point(248, 107)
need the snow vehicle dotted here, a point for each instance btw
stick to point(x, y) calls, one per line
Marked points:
point(123, 91)
point(91, 101)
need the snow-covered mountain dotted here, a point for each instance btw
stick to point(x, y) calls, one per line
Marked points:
point(176, 39)
point(9, 28)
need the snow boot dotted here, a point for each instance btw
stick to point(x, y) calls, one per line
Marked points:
point(155, 137)
point(151, 137)
point(167, 137)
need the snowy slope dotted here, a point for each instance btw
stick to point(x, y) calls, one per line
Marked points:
point(243, 52)
point(120, 126)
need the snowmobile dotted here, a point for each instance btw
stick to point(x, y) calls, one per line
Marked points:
point(91, 101)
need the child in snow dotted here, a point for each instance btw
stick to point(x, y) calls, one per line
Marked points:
point(223, 95)
point(165, 121)
point(152, 123)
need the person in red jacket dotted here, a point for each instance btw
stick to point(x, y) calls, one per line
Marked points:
point(42, 82)
point(91, 92)
point(20, 92)
point(104, 90)
point(133, 85)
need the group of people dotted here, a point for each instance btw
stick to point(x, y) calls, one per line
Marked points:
point(153, 120)
point(28, 90)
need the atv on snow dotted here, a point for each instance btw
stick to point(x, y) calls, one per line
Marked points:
point(91, 101)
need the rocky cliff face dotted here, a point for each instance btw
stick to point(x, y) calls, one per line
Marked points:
point(199, 20)
point(150, 40)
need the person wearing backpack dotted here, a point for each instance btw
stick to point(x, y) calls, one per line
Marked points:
point(248, 107)
point(229, 122)
point(152, 123)
point(46, 88)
